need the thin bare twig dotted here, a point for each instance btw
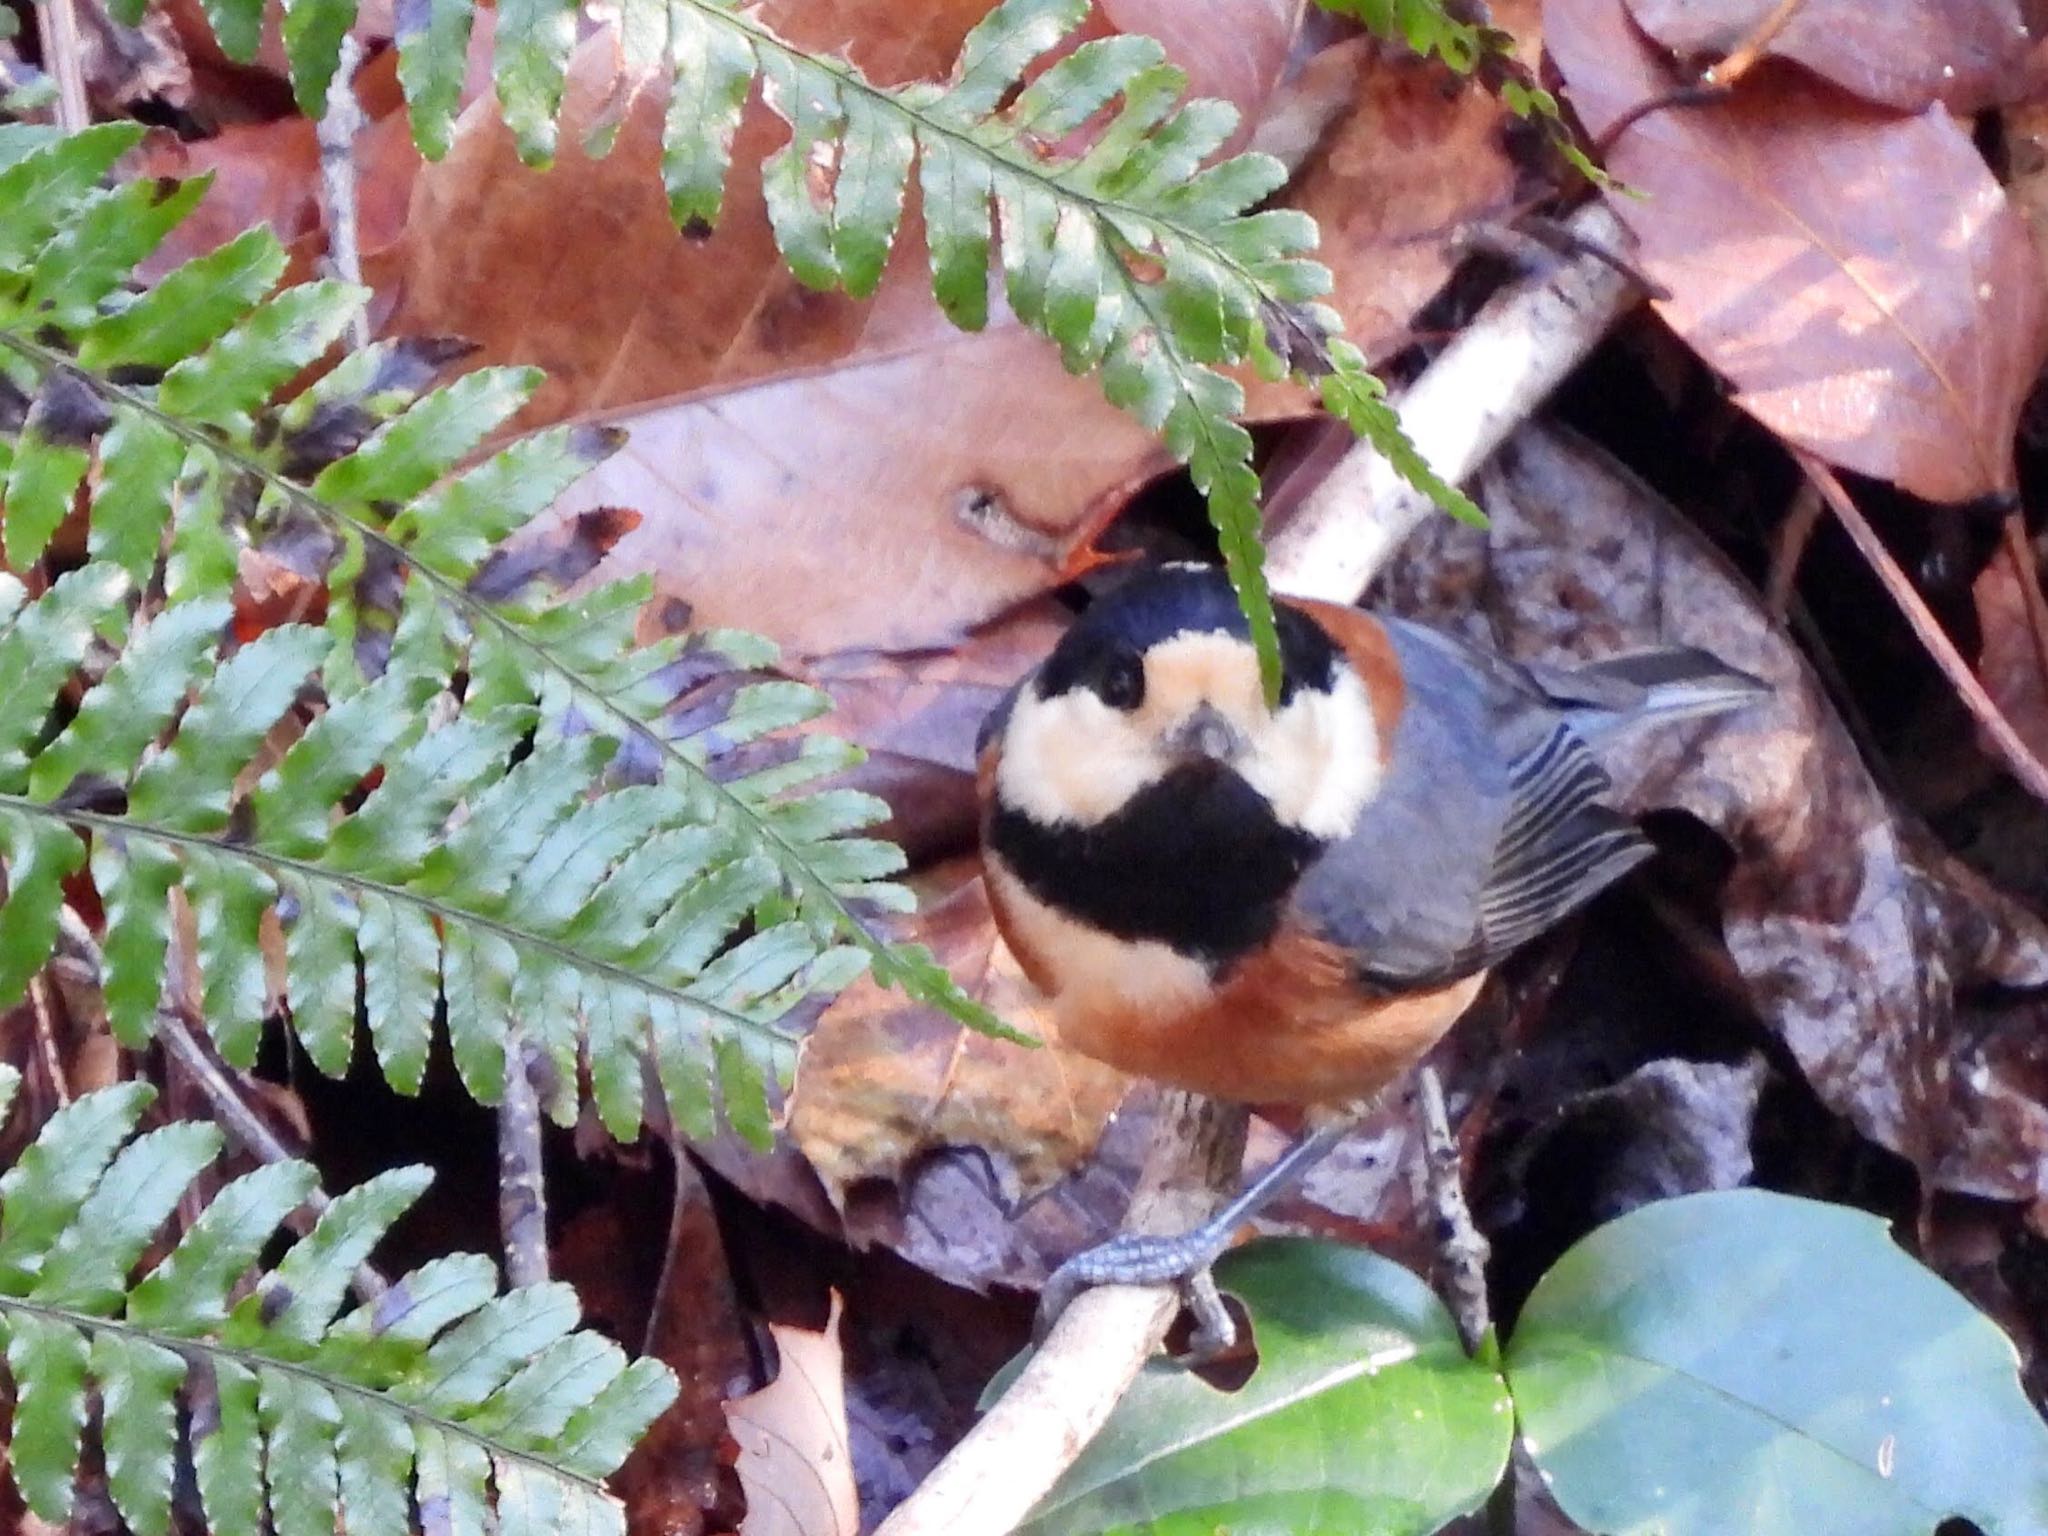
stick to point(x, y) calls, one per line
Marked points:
point(1789, 548)
point(63, 59)
point(1746, 55)
point(336, 135)
point(1461, 1248)
point(992, 1478)
point(46, 1038)
point(522, 1187)
point(2004, 740)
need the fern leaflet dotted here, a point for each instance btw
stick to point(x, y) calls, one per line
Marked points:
point(442, 1398)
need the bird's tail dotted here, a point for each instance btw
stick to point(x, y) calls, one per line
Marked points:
point(1607, 697)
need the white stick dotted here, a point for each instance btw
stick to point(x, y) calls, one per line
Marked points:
point(1487, 382)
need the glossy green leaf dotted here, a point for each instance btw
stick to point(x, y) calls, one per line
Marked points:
point(1749, 1362)
point(1365, 1414)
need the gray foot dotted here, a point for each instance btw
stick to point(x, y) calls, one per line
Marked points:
point(1182, 1262)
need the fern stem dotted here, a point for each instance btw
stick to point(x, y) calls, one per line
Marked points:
point(519, 937)
point(253, 1361)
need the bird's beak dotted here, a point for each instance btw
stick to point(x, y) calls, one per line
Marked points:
point(1206, 732)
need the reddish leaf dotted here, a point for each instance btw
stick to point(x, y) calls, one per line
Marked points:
point(1859, 276)
point(1967, 54)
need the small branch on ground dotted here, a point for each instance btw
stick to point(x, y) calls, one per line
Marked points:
point(63, 60)
point(1462, 1250)
point(1751, 49)
point(522, 1188)
point(336, 134)
point(992, 1478)
point(1487, 382)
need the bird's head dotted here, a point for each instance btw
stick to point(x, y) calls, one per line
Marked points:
point(1157, 686)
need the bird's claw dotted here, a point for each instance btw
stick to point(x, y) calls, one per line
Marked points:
point(1184, 1262)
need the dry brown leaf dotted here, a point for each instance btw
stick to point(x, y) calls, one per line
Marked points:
point(2010, 664)
point(1967, 54)
point(1858, 936)
point(917, 716)
point(796, 1459)
point(913, 481)
point(269, 173)
point(1415, 156)
point(884, 1080)
point(1859, 276)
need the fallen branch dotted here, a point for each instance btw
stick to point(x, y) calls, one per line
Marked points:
point(1487, 382)
point(1007, 1462)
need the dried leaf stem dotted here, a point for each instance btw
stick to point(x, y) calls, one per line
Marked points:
point(1998, 730)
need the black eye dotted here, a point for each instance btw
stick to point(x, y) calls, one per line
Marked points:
point(1122, 685)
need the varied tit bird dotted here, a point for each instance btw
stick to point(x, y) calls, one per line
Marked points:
point(1290, 903)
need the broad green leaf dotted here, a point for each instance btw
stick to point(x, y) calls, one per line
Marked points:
point(87, 1269)
point(139, 460)
point(39, 854)
point(42, 1192)
point(47, 1360)
point(534, 40)
point(102, 244)
point(1365, 1414)
point(44, 188)
point(134, 700)
point(1749, 1362)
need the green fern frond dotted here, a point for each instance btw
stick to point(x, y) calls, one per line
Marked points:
point(593, 844)
point(443, 1397)
point(1118, 239)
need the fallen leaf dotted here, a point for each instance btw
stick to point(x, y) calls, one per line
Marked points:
point(883, 1079)
point(1858, 937)
point(1966, 54)
point(2010, 663)
point(796, 1462)
point(1860, 277)
point(917, 714)
point(269, 173)
point(1417, 155)
point(913, 480)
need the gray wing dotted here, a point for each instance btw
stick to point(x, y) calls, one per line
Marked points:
point(1487, 830)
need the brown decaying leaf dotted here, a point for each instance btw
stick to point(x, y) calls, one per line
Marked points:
point(1858, 936)
point(1859, 276)
point(1412, 157)
point(269, 173)
point(795, 1457)
point(1966, 54)
point(868, 443)
point(2010, 663)
point(883, 1079)
point(917, 716)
